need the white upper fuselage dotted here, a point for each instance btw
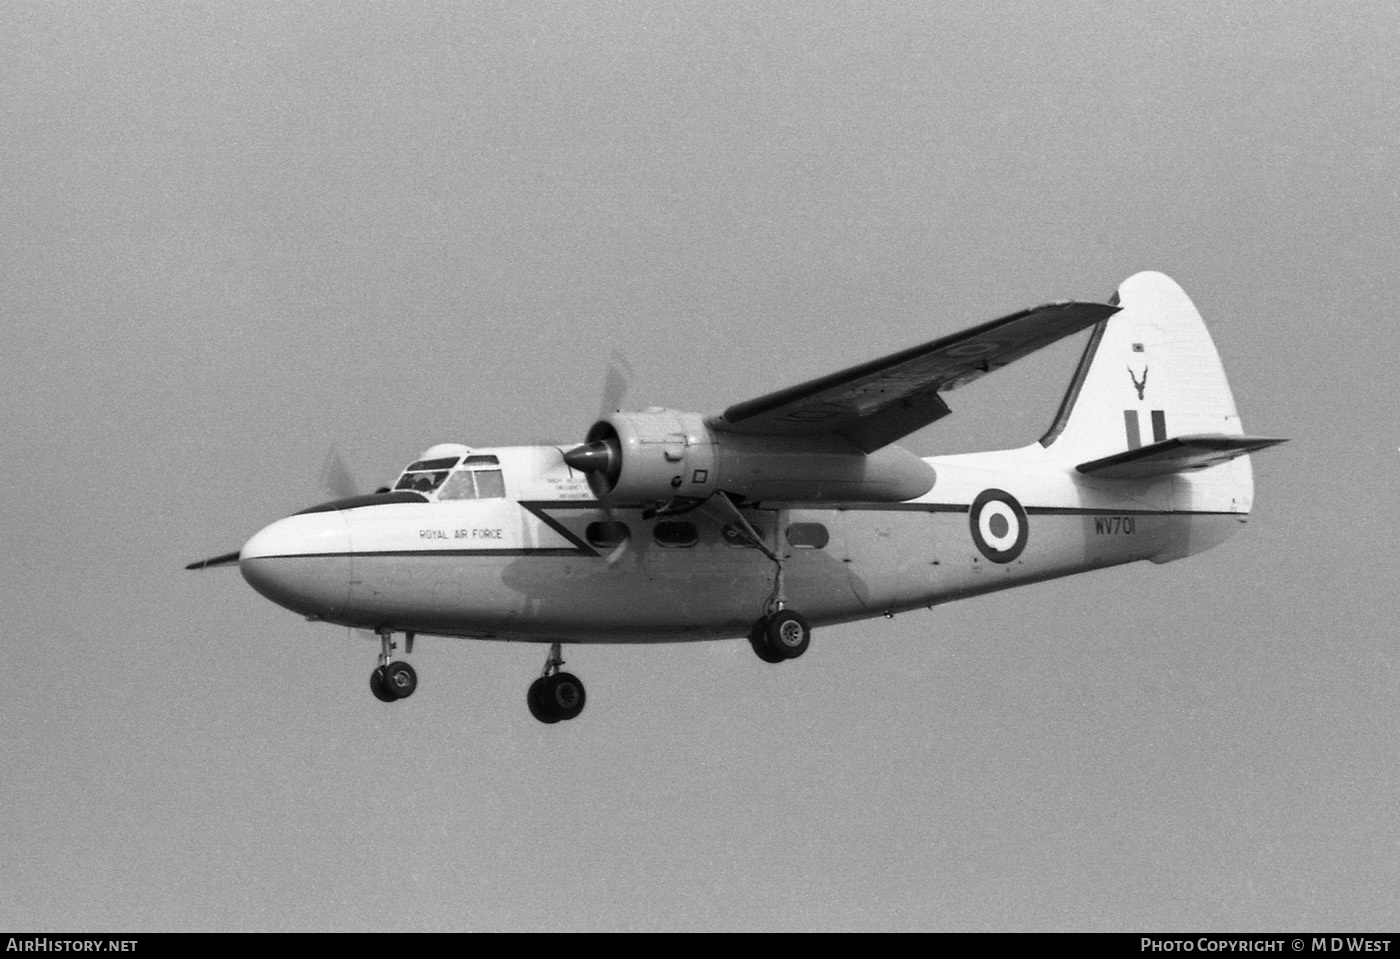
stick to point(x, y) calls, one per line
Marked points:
point(533, 556)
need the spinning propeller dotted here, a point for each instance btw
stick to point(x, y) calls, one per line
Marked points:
point(600, 460)
point(335, 477)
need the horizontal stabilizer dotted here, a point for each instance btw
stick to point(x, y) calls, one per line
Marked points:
point(1175, 455)
point(225, 560)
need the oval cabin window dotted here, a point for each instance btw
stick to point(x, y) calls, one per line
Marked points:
point(608, 535)
point(674, 534)
point(807, 536)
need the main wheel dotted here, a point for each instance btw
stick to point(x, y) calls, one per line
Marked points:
point(759, 641)
point(534, 698)
point(376, 686)
point(563, 695)
point(787, 634)
point(400, 680)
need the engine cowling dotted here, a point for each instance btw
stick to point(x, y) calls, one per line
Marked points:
point(648, 458)
point(658, 457)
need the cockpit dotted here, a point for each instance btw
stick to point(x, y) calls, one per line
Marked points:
point(455, 477)
point(424, 476)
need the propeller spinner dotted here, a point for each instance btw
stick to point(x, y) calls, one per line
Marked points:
point(600, 460)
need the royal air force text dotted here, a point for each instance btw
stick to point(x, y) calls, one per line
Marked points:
point(460, 534)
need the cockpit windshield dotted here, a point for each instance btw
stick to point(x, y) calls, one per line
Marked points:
point(424, 476)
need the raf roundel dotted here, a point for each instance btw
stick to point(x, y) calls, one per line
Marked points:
point(999, 526)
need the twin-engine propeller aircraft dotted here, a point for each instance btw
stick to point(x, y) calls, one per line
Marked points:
point(787, 511)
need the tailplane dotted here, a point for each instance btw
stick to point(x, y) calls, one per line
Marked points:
point(1177, 455)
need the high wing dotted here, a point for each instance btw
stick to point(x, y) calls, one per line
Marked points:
point(876, 403)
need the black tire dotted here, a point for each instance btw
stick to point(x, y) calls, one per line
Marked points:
point(564, 696)
point(534, 698)
point(787, 634)
point(400, 680)
point(759, 642)
point(376, 686)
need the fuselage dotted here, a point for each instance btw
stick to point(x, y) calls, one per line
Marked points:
point(522, 550)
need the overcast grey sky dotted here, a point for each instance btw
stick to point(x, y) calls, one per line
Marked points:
point(236, 234)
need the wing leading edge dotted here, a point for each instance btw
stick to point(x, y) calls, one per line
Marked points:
point(876, 403)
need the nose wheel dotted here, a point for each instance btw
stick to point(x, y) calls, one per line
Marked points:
point(393, 680)
point(556, 696)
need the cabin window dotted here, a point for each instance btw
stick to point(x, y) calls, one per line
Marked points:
point(807, 536)
point(734, 536)
point(675, 534)
point(608, 535)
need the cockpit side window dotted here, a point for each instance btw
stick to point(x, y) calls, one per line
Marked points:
point(474, 484)
point(460, 486)
point(490, 484)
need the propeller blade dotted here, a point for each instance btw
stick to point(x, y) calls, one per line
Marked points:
point(616, 382)
point(335, 477)
point(601, 460)
point(618, 551)
point(228, 559)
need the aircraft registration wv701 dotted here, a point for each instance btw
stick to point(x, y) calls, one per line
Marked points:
point(787, 511)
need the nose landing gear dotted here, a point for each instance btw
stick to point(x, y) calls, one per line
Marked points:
point(392, 681)
point(556, 696)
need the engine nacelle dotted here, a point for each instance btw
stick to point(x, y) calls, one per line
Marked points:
point(659, 456)
point(819, 469)
point(654, 457)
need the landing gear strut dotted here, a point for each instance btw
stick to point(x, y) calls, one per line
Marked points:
point(392, 680)
point(555, 696)
point(781, 634)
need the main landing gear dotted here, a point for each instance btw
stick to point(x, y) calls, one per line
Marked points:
point(555, 696)
point(779, 636)
point(393, 680)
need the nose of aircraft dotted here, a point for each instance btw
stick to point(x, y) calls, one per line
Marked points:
point(301, 562)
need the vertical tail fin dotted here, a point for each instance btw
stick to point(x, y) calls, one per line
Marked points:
point(1151, 374)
